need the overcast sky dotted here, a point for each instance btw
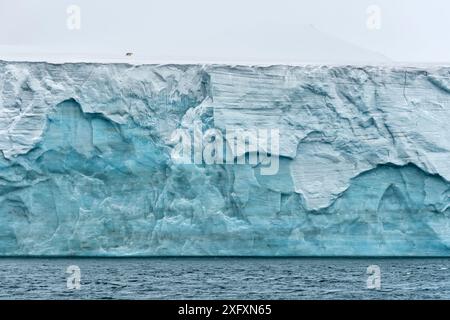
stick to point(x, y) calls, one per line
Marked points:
point(232, 30)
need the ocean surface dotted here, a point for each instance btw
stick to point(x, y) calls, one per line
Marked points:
point(223, 278)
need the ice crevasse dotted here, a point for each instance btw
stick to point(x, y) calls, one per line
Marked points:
point(86, 166)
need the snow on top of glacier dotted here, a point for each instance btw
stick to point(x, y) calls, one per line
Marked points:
point(313, 47)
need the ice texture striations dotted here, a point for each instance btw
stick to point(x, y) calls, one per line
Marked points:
point(86, 167)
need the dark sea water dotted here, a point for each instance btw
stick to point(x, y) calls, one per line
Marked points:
point(224, 278)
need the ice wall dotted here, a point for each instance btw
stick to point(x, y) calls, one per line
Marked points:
point(86, 167)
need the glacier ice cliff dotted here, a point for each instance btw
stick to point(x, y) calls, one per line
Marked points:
point(85, 166)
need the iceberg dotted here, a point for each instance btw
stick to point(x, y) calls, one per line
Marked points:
point(87, 166)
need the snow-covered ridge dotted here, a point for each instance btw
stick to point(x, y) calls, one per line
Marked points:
point(364, 160)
